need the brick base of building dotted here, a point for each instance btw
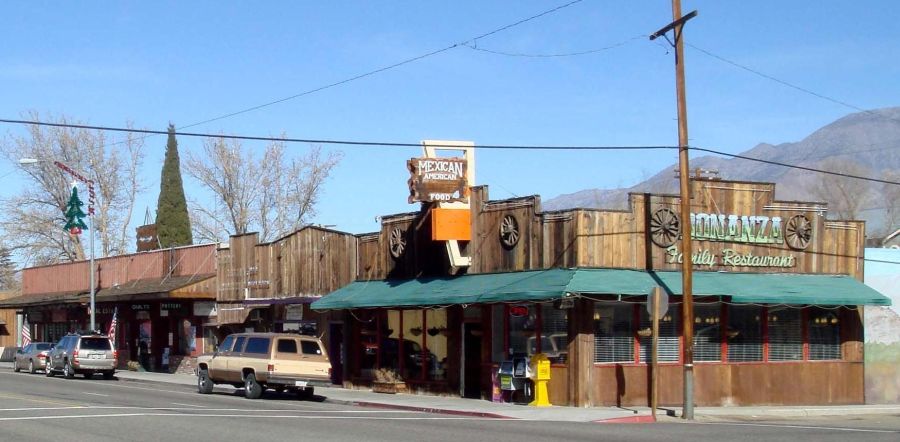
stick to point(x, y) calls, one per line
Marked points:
point(182, 364)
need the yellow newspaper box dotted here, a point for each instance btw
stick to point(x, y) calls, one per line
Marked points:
point(541, 365)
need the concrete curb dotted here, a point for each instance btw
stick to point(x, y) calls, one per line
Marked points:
point(430, 410)
point(642, 419)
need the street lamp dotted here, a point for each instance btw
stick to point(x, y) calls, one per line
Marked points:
point(90, 184)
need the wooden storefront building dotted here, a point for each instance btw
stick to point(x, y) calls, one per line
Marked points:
point(777, 292)
point(161, 299)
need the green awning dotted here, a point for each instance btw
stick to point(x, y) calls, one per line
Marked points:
point(777, 288)
point(550, 284)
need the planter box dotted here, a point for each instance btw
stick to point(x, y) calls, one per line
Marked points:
point(389, 387)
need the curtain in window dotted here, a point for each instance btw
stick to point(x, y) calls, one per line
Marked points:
point(613, 333)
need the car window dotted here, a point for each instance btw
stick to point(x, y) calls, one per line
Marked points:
point(239, 344)
point(257, 345)
point(26, 349)
point(287, 346)
point(227, 343)
point(42, 346)
point(95, 344)
point(310, 348)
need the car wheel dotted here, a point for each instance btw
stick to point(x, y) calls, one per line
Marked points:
point(68, 371)
point(252, 389)
point(108, 375)
point(305, 393)
point(204, 383)
point(31, 368)
point(16, 366)
point(48, 370)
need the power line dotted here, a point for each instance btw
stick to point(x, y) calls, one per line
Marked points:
point(385, 68)
point(794, 166)
point(482, 146)
point(474, 46)
point(324, 141)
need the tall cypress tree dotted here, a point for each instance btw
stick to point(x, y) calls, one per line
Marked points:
point(172, 222)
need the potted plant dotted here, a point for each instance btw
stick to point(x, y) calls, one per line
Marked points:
point(387, 380)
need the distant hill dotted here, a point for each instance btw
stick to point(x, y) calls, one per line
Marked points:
point(865, 144)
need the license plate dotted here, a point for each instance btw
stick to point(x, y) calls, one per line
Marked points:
point(299, 383)
point(96, 356)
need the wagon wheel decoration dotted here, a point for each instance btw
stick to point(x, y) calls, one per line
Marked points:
point(664, 227)
point(397, 242)
point(798, 232)
point(509, 231)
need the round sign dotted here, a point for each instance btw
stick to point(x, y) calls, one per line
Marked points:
point(663, 303)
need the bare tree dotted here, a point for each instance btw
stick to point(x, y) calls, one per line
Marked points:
point(273, 194)
point(33, 220)
point(845, 196)
point(891, 197)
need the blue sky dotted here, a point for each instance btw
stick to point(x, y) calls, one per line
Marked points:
point(105, 63)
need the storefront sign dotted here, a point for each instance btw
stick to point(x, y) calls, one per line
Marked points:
point(293, 312)
point(754, 229)
point(518, 311)
point(140, 307)
point(205, 308)
point(437, 179)
point(730, 258)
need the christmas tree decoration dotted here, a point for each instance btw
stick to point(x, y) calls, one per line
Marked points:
point(74, 215)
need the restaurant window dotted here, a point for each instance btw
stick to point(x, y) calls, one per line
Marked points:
point(613, 335)
point(554, 336)
point(435, 353)
point(498, 339)
point(411, 346)
point(707, 332)
point(390, 332)
point(824, 334)
point(368, 337)
point(744, 333)
point(785, 334)
point(669, 341)
point(522, 323)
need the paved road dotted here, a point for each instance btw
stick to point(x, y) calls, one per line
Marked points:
point(34, 408)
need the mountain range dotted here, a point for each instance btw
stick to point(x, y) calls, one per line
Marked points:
point(861, 144)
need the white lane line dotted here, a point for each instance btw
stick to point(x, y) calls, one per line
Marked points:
point(189, 405)
point(242, 410)
point(105, 416)
point(95, 394)
point(806, 427)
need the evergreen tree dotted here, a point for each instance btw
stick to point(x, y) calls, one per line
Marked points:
point(172, 222)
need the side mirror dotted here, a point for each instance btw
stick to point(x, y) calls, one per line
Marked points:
point(19, 351)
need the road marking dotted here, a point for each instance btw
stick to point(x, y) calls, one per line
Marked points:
point(95, 394)
point(808, 427)
point(243, 410)
point(104, 416)
point(40, 401)
point(189, 405)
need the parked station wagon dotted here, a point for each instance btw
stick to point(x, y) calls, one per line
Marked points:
point(257, 361)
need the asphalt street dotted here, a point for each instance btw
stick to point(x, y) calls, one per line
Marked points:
point(37, 408)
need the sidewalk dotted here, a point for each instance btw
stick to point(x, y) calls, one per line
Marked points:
point(481, 408)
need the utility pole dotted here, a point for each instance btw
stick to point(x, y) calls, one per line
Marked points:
point(687, 305)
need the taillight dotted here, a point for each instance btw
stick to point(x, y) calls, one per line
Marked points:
point(42, 354)
point(329, 371)
point(116, 355)
point(75, 354)
point(271, 369)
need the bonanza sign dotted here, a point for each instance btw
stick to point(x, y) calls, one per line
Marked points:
point(437, 179)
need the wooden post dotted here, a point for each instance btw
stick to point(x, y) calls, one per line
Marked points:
point(654, 380)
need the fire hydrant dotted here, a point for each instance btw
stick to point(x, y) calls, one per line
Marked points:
point(541, 365)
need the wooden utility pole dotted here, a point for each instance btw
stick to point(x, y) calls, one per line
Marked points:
point(687, 310)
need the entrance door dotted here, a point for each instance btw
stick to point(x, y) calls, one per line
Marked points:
point(472, 360)
point(336, 352)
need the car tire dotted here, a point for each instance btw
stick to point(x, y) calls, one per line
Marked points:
point(48, 371)
point(16, 366)
point(108, 375)
point(252, 389)
point(305, 393)
point(68, 370)
point(204, 383)
point(31, 368)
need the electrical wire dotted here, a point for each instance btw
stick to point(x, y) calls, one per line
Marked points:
point(474, 46)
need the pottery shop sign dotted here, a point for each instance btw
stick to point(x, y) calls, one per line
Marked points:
point(730, 258)
point(437, 180)
point(753, 229)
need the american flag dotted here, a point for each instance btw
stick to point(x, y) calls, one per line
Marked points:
point(112, 325)
point(26, 333)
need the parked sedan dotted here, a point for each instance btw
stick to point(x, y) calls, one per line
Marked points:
point(32, 357)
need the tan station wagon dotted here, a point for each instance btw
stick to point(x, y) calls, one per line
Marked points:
point(256, 361)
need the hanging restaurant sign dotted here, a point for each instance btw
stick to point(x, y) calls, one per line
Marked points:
point(730, 258)
point(437, 180)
